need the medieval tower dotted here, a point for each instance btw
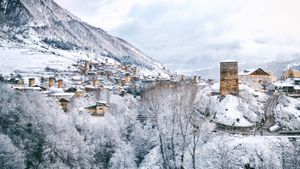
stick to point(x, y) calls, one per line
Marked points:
point(229, 79)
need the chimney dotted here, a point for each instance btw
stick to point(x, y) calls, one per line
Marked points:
point(51, 82)
point(60, 83)
point(31, 82)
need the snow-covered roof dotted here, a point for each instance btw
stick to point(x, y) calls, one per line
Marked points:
point(296, 79)
point(229, 60)
point(27, 88)
point(63, 94)
point(247, 72)
point(283, 84)
point(101, 102)
point(55, 90)
point(297, 87)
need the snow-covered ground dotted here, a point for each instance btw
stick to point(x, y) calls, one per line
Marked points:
point(45, 26)
point(288, 112)
point(35, 59)
point(243, 110)
point(233, 152)
point(26, 60)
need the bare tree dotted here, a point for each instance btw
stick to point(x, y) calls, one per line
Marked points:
point(179, 124)
point(154, 104)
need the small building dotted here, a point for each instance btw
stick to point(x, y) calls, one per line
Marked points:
point(229, 80)
point(51, 81)
point(80, 93)
point(31, 82)
point(16, 81)
point(99, 109)
point(257, 79)
point(64, 104)
point(127, 78)
point(71, 90)
point(182, 77)
point(96, 82)
point(28, 88)
point(87, 67)
point(60, 84)
point(291, 73)
point(196, 79)
point(288, 86)
point(284, 86)
point(135, 71)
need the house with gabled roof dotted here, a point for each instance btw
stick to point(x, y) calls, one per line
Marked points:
point(64, 103)
point(291, 73)
point(99, 109)
point(257, 79)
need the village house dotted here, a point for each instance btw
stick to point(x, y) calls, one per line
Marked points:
point(289, 86)
point(127, 78)
point(257, 79)
point(90, 79)
point(135, 71)
point(80, 93)
point(31, 82)
point(99, 109)
point(64, 104)
point(229, 81)
point(51, 82)
point(291, 73)
point(60, 84)
point(87, 67)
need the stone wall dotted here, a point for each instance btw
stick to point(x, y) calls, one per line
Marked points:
point(229, 80)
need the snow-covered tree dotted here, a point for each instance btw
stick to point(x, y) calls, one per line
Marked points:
point(41, 131)
point(178, 122)
point(123, 157)
point(10, 156)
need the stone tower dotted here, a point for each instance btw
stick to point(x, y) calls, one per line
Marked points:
point(51, 81)
point(60, 83)
point(96, 82)
point(31, 82)
point(229, 79)
point(127, 78)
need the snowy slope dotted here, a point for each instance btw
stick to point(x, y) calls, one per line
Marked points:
point(235, 152)
point(44, 25)
point(288, 113)
point(242, 111)
point(28, 60)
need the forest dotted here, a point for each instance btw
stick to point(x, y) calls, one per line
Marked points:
point(164, 128)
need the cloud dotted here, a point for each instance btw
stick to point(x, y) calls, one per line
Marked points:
point(191, 34)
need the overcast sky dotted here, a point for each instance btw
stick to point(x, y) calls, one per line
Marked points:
point(195, 34)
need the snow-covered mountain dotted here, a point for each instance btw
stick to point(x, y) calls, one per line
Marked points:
point(45, 26)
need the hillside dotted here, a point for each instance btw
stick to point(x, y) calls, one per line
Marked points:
point(44, 26)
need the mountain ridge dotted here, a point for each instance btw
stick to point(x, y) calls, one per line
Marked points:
point(45, 24)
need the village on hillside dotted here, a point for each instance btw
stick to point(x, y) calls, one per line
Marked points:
point(98, 80)
point(90, 79)
point(183, 84)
